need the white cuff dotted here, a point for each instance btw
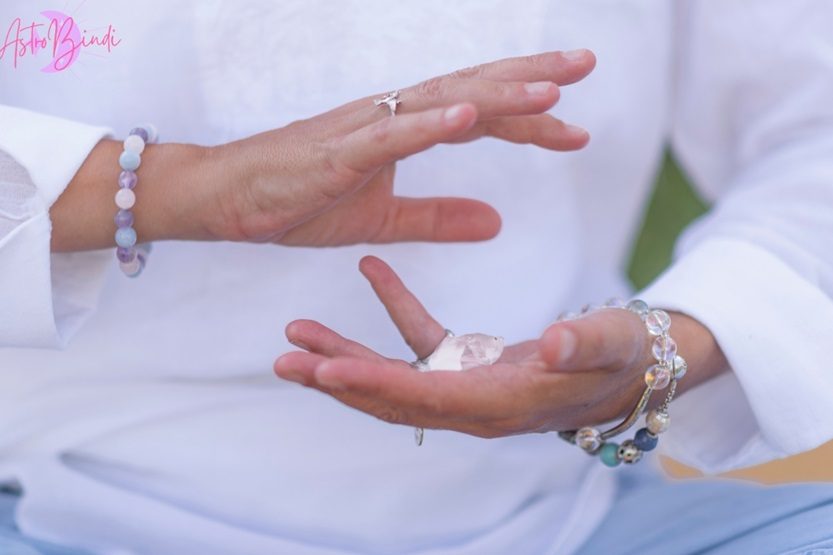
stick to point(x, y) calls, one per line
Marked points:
point(44, 297)
point(774, 328)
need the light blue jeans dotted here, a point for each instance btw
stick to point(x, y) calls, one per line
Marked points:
point(651, 517)
point(716, 517)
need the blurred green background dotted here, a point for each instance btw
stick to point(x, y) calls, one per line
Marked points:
point(673, 206)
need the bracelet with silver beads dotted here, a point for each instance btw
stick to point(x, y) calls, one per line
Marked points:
point(669, 368)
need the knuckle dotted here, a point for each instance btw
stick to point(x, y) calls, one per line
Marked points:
point(298, 126)
point(535, 60)
point(472, 72)
point(391, 415)
point(334, 169)
point(432, 89)
point(387, 225)
point(380, 132)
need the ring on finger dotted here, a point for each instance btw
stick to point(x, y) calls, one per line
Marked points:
point(391, 100)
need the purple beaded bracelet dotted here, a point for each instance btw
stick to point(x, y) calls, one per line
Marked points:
point(131, 256)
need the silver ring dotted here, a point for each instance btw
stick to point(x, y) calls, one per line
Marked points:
point(422, 364)
point(391, 100)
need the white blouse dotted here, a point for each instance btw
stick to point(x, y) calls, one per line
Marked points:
point(142, 416)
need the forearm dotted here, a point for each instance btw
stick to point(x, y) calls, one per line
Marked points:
point(170, 194)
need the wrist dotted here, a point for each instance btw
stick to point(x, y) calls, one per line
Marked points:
point(170, 197)
point(250, 196)
point(173, 193)
point(700, 349)
point(226, 172)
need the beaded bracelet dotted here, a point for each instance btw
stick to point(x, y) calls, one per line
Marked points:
point(131, 257)
point(669, 368)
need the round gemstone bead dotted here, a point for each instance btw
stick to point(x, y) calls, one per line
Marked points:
point(134, 143)
point(657, 376)
point(129, 160)
point(664, 348)
point(150, 131)
point(589, 439)
point(638, 307)
point(127, 179)
point(567, 315)
point(132, 268)
point(140, 132)
point(645, 440)
point(657, 422)
point(609, 454)
point(628, 452)
point(680, 367)
point(125, 237)
point(125, 199)
point(658, 322)
point(124, 218)
point(615, 302)
point(125, 254)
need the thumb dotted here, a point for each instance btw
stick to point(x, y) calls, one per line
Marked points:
point(609, 338)
point(439, 220)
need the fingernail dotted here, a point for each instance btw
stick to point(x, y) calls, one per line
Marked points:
point(566, 345)
point(453, 114)
point(299, 344)
point(326, 377)
point(292, 376)
point(574, 55)
point(576, 130)
point(539, 88)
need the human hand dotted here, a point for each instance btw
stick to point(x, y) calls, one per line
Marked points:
point(580, 372)
point(329, 180)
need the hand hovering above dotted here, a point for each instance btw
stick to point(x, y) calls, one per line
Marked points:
point(329, 180)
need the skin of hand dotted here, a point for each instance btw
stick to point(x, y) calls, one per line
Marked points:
point(581, 372)
point(328, 180)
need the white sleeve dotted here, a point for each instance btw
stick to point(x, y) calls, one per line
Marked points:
point(753, 126)
point(44, 297)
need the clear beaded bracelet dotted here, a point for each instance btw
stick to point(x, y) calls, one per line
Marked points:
point(131, 256)
point(669, 368)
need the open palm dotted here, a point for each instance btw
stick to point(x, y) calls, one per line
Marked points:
point(581, 372)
